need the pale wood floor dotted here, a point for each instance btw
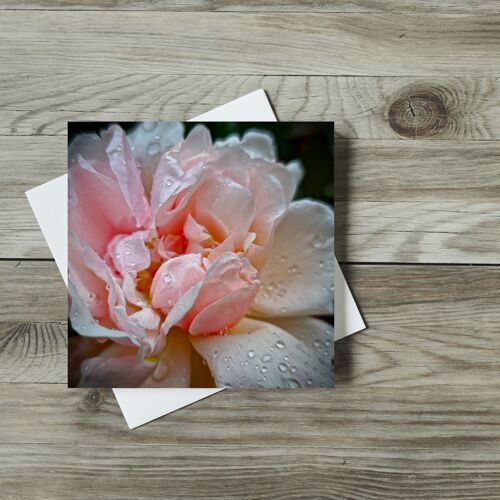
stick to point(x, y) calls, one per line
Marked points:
point(414, 89)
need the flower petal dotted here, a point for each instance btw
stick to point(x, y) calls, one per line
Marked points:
point(174, 278)
point(224, 207)
point(298, 278)
point(129, 253)
point(226, 293)
point(259, 354)
point(118, 371)
point(174, 365)
point(97, 208)
point(83, 322)
point(123, 165)
point(149, 140)
point(117, 304)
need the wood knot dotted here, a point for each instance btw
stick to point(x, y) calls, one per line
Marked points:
point(419, 113)
point(93, 399)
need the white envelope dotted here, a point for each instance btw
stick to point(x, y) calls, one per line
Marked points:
point(49, 203)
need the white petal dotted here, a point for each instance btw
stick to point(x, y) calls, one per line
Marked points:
point(83, 322)
point(259, 144)
point(316, 334)
point(149, 141)
point(298, 277)
point(259, 354)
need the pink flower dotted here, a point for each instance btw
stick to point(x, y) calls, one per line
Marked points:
point(191, 266)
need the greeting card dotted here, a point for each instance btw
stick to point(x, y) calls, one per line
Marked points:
point(201, 255)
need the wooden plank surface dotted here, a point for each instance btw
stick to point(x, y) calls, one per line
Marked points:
point(413, 88)
point(297, 44)
point(363, 107)
point(357, 6)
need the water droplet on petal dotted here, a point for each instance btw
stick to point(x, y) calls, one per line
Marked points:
point(309, 381)
point(317, 343)
point(263, 369)
point(321, 263)
point(149, 126)
point(266, 358)
point(215, 354)
point(168, 182)
point(282, 367)
point(167, 278)
point(293, 269)
point(251, 353)
point(318, 241)
point(280, 344)
point(153, 149)
point(292, 383)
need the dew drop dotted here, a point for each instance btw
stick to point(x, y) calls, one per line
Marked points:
point(264, 369)
point(149, 126)
point(309, 381)
point(321, 263)
point(293, 269)
point(293, 369)
point(280, 344)
point(292, 383)
point(215, 354)
point(168, 182)
point(153, 149)
point(318, 241)
point(317, 344)
point(282, 367)
point(167, 278)
point(266, 358)
point(251, 353)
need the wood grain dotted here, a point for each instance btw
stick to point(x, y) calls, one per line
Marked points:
point(362, 107)
point(298, 44)
point(423, 442)
point(374, 6)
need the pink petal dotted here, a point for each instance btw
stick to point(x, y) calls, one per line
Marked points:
point(259, 354)
point(224, 207)
point(174, 278)
point(227, 290)
point(129, 253)
point(86, 283)
point(173, 194)
point(197, 147)
point(105, 190)
point(123, 165)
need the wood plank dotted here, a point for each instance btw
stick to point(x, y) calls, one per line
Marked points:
point(362, 107)
point(44, 42)
point(373, 6)
point(33, 352)
point(406, 201)
point(32, 291)
point(404, 307)
point(350, 442)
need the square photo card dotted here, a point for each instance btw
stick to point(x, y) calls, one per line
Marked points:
point(201, 255)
